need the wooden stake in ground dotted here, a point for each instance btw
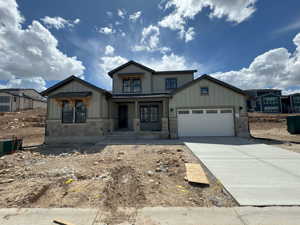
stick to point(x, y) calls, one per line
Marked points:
point(195, 173)
point(62, 222)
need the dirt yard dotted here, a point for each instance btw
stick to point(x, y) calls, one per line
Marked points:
point(273, 127)
point(105, 177)
point(29, 124)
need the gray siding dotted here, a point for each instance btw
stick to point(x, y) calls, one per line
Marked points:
point(158, 81)
point(145, 79)
point(219, 96)
point(97, 108)
point(150, 83)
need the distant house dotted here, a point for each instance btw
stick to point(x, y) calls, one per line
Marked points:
point(272, 101)
point(295, 102)
point(16, 99)
point(145, 102)
point(264, 100)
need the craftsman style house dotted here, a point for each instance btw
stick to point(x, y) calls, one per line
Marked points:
point(145, 103)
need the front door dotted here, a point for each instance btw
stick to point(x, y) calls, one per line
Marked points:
point(123, 116)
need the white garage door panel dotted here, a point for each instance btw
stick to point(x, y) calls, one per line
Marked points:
point(192, 124)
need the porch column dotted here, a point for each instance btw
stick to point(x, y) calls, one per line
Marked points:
point(164, 118)
point(136, 120)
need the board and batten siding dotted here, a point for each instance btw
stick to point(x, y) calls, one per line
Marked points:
point(97, 108)
point(219, 96)
point(145, 79)
point(159, 81)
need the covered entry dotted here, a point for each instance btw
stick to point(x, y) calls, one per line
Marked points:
point(205, 122)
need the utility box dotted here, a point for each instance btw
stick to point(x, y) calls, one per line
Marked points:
point(293, 124)
point(8, 146)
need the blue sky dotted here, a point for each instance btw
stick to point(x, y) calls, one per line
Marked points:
point(248, 43)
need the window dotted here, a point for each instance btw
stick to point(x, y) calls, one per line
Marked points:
point(73, 114)
point(132, 85)
point(271, 100)
point(126, 85)
point(296, 100)
point(171, 83)
point(4, 99)
point(80, 112)
point(15, 98)
point(184, 112)
point(271, 109)
point(67, 112)
point(4, 108)
point(211, 111)
point(226, 111)
point(197, 111)
point(149, 113)
point(204, 91)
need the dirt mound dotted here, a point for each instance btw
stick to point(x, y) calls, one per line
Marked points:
point(124, 189)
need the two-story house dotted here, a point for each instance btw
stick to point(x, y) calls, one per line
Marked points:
point(145, 102)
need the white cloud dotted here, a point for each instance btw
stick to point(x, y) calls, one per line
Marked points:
point(292, 26)
point(135, 15)
point(106, 30)
point(37, 83)
point(233, 10)
point(31, 52)
point(109, 50)
point(108, 63)
point(76, 21)
point(170, 62)
point(150, 40)
point(59, 22)
point(188, 35)
point(122, 13)
point(277, 68)
point(109, 14)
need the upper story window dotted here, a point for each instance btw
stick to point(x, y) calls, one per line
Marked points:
point(132, 85)
point(73, 113)
point(296, 99)
point(171, 83)
point(204, 91)
point(272, 100)
point(4, 99)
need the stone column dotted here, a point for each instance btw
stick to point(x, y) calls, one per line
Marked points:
point(164, 118)
point(136, 120)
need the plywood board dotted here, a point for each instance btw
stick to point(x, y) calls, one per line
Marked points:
point(195, 173)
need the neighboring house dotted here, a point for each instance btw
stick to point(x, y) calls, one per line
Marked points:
point(264, 100)
point(295, 102)
point(13, 99)
point(145, 102)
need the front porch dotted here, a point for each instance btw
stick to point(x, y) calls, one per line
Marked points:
point(140, 116)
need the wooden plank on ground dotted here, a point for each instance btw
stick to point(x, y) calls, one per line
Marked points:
point(62, 222)
point(195, 173)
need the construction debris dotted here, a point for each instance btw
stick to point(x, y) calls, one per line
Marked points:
point(195, 173)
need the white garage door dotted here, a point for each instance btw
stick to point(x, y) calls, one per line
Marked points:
point(205, 122)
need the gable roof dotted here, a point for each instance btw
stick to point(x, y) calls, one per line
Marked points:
point(207, 77)
point(131, 62)
point(68, 80)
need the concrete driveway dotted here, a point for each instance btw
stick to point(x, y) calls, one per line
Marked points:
point(254, 174)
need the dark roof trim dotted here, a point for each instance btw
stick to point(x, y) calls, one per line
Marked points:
point(175, 71)
point(131, 62)
point(82, 94)
point(140, 94)
point(265, 89)
point(267, 94)
point(148, 69)
point(68, 80)
point(205, 76)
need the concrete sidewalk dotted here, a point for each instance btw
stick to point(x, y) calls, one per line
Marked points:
point(159, 216)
